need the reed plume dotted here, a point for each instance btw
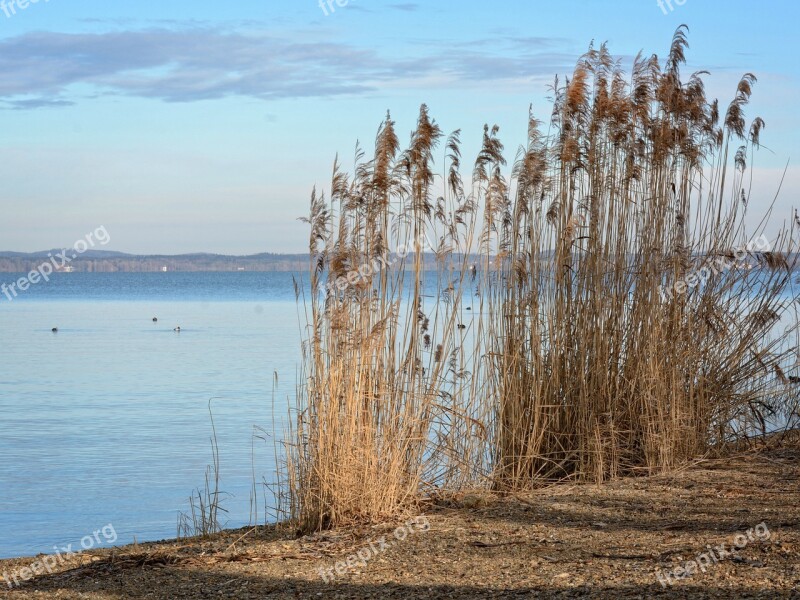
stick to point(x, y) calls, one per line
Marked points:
point(593, 312)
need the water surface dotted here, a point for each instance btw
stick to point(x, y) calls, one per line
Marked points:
point(107, 420)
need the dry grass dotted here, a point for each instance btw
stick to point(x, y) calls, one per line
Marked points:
point(599, 371)
point(205, 505)
point(385, 366)
point(535, 342)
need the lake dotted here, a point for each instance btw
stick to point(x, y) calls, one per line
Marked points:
point(107, 421)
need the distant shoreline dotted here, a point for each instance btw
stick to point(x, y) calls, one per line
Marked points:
point(116, 262)
point(100, 261)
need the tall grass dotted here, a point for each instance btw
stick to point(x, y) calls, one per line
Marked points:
point(605, 366)
point(385, 370)
point(205, 505)
point(535, 340)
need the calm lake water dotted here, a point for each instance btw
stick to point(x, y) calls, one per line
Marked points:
point(107, 420)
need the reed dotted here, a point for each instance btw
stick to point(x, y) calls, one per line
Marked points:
point(542, 335)
point(608, 363)
point(205, 505)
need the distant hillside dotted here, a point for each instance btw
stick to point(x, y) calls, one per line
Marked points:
point(44, 254)
point(101, 261)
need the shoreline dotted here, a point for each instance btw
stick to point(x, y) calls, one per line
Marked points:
point(628, 538)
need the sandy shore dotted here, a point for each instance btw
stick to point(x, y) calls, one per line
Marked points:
point(621, 540)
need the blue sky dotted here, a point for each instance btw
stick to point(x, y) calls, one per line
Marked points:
point(202, 126)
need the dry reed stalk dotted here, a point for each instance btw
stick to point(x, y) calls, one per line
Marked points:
point(599, 373)
point(574, 363)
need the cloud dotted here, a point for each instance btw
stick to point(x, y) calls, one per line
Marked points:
point(186, 65)
point(406, 6)
point(31, 103)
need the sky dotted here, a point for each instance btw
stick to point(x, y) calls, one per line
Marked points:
point(202, 126)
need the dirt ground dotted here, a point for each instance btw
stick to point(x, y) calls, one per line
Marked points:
point(568, 541)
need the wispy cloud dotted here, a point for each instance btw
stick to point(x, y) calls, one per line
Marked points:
point(31, 103)
point(186, 65)
point(406, 6)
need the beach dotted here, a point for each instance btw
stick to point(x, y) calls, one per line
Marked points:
point(623, 539)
